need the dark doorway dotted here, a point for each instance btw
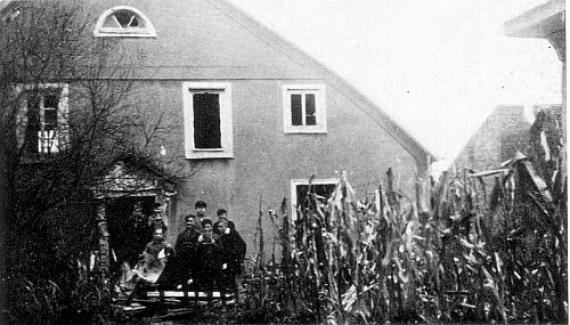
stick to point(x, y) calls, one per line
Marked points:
point(129, 228)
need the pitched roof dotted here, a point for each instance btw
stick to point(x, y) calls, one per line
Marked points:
point(287, 48)
point(498, 138)
point(411, 144)
point(133, 173)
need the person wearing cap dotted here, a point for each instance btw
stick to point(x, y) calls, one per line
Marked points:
point(189, 236)
point(185, 249)
point(200, 211)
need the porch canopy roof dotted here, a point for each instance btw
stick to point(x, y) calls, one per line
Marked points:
point(128, 176)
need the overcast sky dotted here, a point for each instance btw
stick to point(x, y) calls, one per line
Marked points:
point(437, 67)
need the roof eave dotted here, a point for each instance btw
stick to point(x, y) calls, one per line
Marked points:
point(538, 22)
point(410, 144)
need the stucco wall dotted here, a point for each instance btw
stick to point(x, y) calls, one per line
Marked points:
point(266, 159)
point(196, 41)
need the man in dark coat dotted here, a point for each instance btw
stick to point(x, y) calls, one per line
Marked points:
point(185, 248)
point(180, 267)
point(232, 256)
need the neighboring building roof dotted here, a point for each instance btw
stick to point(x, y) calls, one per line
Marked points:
point(7, 7)
point(544, 21)
point(505, 132)
point(3, 3)
point(538, 22)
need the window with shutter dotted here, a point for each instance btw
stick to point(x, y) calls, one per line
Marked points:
point(208, 120)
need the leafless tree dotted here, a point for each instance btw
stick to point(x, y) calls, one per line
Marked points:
point(66, 113)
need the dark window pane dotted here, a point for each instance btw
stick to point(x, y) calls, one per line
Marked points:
point(33, 123)
point(124, 18)
point(207, 134)
point(324, 190)
point(311, 120)
point(296, 110)
point(135, 22)
point(310, 109)
point(51, 101)
point(50, 118)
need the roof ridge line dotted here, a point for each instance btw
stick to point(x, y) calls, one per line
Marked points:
point(400, 134)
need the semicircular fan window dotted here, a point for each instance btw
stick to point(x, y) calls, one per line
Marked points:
point(124, 22)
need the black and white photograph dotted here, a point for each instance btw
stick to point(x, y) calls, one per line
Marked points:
point(337, 162)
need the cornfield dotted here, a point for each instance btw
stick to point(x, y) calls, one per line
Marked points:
point(493, 248)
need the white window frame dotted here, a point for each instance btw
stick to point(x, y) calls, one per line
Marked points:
point(60, 137)
point(320, 108)
point(224, 89)
point(296, 182)
point(147, 31)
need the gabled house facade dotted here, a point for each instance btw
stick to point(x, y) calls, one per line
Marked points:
point(251, 118)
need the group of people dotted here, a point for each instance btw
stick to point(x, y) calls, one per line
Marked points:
point(207, 255)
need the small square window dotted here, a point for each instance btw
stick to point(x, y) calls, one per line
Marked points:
point(304, 109)
point(208, 120)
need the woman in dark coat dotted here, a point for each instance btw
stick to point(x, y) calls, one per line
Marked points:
point(232, 254)
point(208, 251)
